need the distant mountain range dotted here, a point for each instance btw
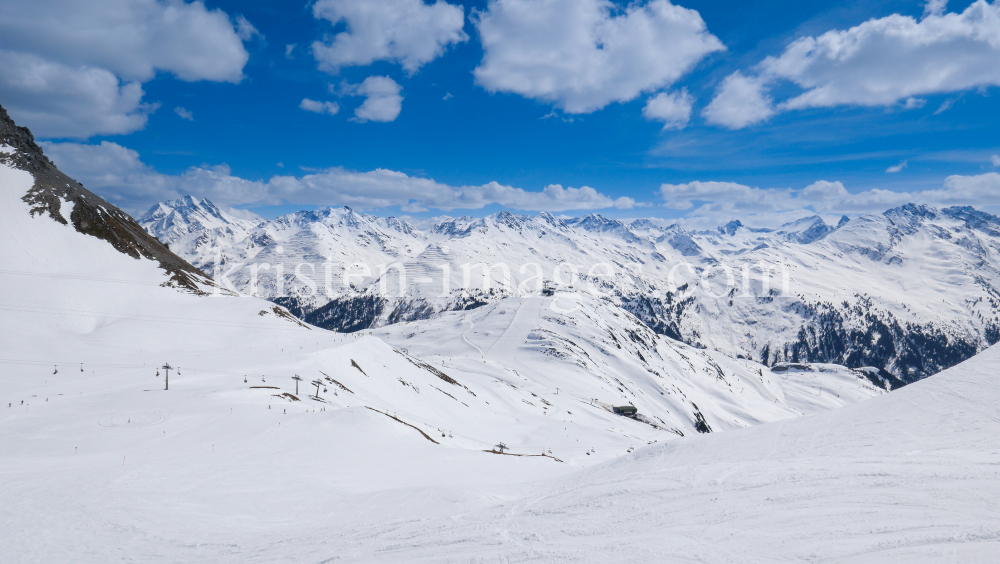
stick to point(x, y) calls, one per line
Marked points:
point(910, 291)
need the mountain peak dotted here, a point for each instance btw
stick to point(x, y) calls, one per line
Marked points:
point(509, 219)
point(644, 224)
point(182, 213)
point(548, 218)
point(910, 211)
point(805, 230)
point(597, 222)
point(975, 219)
point(27, 155)
point(731, 228)
point(909, 217)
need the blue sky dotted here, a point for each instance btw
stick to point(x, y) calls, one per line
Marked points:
point(241, 121)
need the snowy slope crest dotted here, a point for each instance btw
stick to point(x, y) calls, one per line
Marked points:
point(577, 349)
point(50, 193)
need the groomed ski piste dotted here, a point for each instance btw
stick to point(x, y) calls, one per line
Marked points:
point(395, 458)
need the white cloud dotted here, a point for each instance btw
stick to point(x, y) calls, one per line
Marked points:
point(289, 49)
point(684, 196)
point(725, 199)
point(319, 107)
point(131, 38)
point(408, 32)
point(56, 100)
point(75, 68)
point(555, 115)
point(382, 99)
point(879, 63)
point(118, 174)
point(626, 203)
point(582, 55)
point(183, 113)
point(980, 190)
point(896, 168)
point(739, 102)
point(673, 109)
point(995, 160)
point(113, 171)
point(245, 30)
point(945, 106)
point(935, 7)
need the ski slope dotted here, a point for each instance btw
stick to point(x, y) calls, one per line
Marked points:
point(907, 477)
point(107, 466)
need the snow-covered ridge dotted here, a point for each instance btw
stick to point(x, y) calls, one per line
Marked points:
point(53, 194)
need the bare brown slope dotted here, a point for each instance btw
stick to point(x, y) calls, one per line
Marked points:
point(91, 214)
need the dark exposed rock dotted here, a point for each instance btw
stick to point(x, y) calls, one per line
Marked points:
point(661, 315)
point(700, 424)
point(731, 228)
point(347, 315)
point(975, 219)
point(363, 311)
point(856, 335)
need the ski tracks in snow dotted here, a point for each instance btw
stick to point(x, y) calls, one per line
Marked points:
point(465, 336)
point(513, 322)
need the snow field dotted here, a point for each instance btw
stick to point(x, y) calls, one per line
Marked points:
point(103, 464)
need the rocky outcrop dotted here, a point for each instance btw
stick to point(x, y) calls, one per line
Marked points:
point(91, 215)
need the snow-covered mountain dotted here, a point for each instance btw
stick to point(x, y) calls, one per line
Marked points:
point(223, 245)
point(179, 220)
point(598, 354)
point(910, 291)
point(426, 427)
point(573, 368)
